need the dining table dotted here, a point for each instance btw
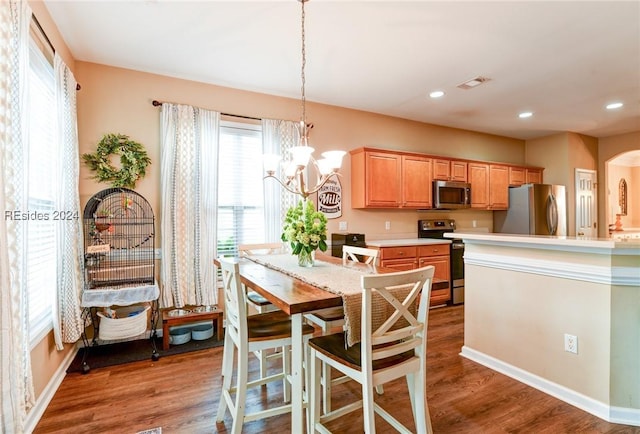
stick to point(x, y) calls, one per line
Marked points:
point(298, 291)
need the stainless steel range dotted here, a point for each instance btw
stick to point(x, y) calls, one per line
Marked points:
point(436, 229)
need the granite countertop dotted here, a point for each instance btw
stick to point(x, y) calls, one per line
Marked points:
point(406, 242)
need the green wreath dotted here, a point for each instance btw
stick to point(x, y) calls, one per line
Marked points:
point(133, 160)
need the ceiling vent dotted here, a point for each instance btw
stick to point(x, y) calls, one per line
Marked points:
point(474, 82)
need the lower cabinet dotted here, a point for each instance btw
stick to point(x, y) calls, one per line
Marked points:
point(411, 257)
point(438, 256)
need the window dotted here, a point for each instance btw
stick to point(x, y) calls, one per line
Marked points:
point(41, 248)
point(240, 193)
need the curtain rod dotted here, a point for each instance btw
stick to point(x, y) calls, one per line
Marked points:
point(48, 41)
point(157, 103)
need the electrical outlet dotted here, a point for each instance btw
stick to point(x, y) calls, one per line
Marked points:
point(387, 225)
point(342, 226)
point(571, 343)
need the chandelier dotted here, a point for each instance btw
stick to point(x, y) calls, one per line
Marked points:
point(301, 155)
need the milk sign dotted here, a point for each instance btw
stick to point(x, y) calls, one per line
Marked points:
point(330, 199)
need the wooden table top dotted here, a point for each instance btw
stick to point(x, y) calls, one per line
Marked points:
point(290, 294)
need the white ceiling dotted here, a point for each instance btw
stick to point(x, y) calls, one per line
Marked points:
point(564, 61)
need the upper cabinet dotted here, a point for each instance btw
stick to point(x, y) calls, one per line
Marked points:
point(416, 182)
point(524, 175)
point(376, 180)
point(517, 175)
point(479, 180)
point(449, 170)
point(534, 176)
point(498, 186)
point(489, 186)
point(394, 179)
point(390, 180)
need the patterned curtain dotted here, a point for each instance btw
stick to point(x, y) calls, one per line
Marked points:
point(67, 323)
point(278, 136)
point(189, 153)
point(15, 369)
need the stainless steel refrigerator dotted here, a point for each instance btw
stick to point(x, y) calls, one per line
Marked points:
point(534, 209)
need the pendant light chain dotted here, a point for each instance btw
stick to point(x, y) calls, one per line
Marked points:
point(304, 62)
point(295, 170)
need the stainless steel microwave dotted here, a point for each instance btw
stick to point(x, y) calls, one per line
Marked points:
point(451, 195)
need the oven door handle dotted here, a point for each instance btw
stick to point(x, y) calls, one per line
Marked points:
point(457, 245)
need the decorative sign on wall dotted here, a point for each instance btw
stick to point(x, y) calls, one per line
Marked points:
point(330, 199)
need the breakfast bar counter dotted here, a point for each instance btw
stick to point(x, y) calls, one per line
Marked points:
point(561, 314)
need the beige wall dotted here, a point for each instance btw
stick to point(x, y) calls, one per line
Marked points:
point(115, 100)
point(561, 154)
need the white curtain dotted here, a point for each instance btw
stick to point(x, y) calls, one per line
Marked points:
point(15, 371)
point(67, 322)
point(278, 136)
point(189, 154)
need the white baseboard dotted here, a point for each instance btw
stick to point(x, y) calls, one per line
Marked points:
point(34, 415)
point(621, 415)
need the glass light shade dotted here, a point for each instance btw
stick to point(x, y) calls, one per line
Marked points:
point(271, 162)
point(334, 158)
point(324, 166)
point(300, 155)
point(290, 169)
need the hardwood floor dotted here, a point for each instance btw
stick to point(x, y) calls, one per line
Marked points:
point(180, 393)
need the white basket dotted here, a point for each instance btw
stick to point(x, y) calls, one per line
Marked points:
point(124, 326)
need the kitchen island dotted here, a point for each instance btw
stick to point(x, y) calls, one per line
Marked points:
point(561, 314)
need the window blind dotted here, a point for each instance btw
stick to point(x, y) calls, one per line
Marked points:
point(41, 252)
point(240, 192)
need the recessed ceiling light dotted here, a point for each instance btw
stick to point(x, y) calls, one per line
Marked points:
point(614, 105)
point(436, 94)
point(525, 115)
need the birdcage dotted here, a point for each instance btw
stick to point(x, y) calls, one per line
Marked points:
point(119, 240)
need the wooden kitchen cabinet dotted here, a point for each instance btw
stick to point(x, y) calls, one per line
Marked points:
point(498, 187)
point(390, 180)
point(410, 257)
point(517, 176)
point(449, 170)
point(479, 180)
point(376, 180)
point(534, 176)
point(400, 258)
point(438, 256)
point(489, 186)
point(524, 175)
point(416, 182)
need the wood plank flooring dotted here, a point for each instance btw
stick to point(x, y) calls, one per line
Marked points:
point(180, 394)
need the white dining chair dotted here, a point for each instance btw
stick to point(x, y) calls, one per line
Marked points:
point(332, 318)
point(245, 334)
point(394, 349)
point(257, 301)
